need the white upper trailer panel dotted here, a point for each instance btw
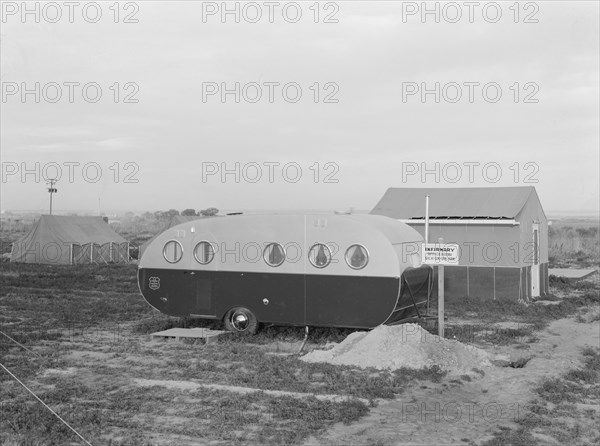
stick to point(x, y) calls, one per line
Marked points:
point(356, 245)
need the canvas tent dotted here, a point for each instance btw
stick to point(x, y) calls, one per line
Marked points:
point(175, 220)
point(56, 239)
point(502, 233)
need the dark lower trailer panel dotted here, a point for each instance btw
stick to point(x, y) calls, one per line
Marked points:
point(281, 299)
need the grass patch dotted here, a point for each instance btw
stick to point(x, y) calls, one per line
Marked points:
point(564, 409)
point(80, 325)
point(245, 365)
point(519, 437)
point(580, 294)
point(570, 245)
point(55, 278)
point(218, 416)
point(317, 335)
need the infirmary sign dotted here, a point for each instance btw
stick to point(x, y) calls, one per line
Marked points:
point(440, 254)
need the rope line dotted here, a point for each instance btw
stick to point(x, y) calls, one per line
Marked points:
point(45, 405)
point(20, 345)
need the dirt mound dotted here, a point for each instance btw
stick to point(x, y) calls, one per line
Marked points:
point(407, 345)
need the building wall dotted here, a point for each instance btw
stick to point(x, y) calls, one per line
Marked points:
point(480, 245)
point(495, 260)
point(491, 283)
point(496, 245)
point(531, 213)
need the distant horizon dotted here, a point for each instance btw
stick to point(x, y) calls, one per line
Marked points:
point(120, 212)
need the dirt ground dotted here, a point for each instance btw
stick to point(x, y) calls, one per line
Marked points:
point(470, 411)
point(465, 409)
point(119, 386)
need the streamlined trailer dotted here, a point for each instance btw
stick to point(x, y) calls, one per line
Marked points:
point(356, 271)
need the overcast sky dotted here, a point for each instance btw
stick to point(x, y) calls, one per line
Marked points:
point(342, 143)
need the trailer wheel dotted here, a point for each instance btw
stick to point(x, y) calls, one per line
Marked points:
point(241, 320)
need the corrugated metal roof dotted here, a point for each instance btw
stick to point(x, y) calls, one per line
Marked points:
point(463, 202)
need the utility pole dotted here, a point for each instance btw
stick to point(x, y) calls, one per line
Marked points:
point(52, 190)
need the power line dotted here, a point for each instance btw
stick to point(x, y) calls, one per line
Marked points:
point(45, 405)
point(20, 345)
point(35, 396)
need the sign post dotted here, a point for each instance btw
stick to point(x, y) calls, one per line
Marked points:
point(441, 301)
point(426, 218)
point(440, 254)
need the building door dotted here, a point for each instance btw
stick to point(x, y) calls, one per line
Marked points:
point(535, 264)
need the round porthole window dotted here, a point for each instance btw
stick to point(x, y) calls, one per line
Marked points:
point(319, 255)
point(173, 251)
point(357, 256)
point(204, 253)
point(274, 254)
